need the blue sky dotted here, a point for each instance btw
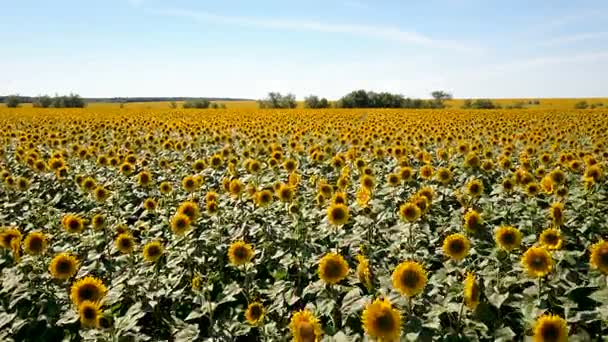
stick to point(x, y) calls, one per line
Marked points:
point(230, 48)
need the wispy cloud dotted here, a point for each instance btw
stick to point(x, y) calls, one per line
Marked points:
point(575, 38)
point(385, 33)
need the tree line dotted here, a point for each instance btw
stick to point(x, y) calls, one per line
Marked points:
point(45, 101)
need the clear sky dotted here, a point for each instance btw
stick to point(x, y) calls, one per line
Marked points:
point(229, 48)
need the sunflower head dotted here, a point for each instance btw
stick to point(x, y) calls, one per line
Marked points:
point(508, 185)
point(409, 278)
point(144, 178)
point(444, 175)
point(285, 193)
point(337, 214)
point(87, 289)
point(456, 246)
point(537, 262)
point(381, 321)
point(73, 224)
point(556, 213)
point(333, 268)
point(406, 173)
point(599, 256)
point(189, 209)
point(475, 188)
point(255, 313)
point(98, 221)
point(472, 221)
point(471, 291)
point(263, 198)
point(550, 328)
point(240, 253)
point(63, 266)
point(551, 239)
point(363, 272)
point(189, 183)
point(235, 187)
point(409, 212)
point(180, 224)
point(35, 243)
point(165, 188)
point(153, 251)
point(125, 243)
point(7, 235)
point(339, 198)
point(393, 179)
point(508, 238)
point(305, 327)
point(89, 313)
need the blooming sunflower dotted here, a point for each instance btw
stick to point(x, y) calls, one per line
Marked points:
point(363, 197)
point(333, 268)
point(508, 238)
point(144, 178)
point(339, 198)
point(550, 328)
point(98, 221)
point(363, 272)
point(556, 213)
point(599, 256)
point(263, 198)
point(305, 327)
point(537, 262)
point(125, 243)
point(189, 209)
point(285, 193)
point(444, 175)
point(165, 188)
point(472, 221)
point(87, 289)
point(89, 313)
point(35, 243)
point(393, 179)
point(255, 313)
point(471, 291)
point(337, 214)
point(381, 321)
point(7, 235)
point(409, 278)
point(180, 224)
point(409, 212)
point(63, 266)
point(189, 183)
point(72, 224)
point(153, 250)
point(235, 187)
point(150, 204)
point(456, 246)
point(475, 188)
point(240, 253)
point(508, 185)
point(551, 239)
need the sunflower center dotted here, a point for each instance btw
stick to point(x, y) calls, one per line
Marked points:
point(89, 313)
point(240, 253)
point(384, 322)
point(551, 238)
point(508, 238)
point(338, 214)
point(410, 278)
point(153, 251)
point(35, 244)
point(550, 332)
point(255, 311)
point(63, 267)
point(333, 269)
point(306, 332)
point(604, 257)
point(87, 293)
point(456, 246)
point(538, 262)
point(74, 225)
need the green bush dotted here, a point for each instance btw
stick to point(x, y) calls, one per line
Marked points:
point(12, 101)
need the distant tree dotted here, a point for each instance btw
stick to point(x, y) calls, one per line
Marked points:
point(197, 104)
point(222, 106)
point(484, 104)
point(173, 105)
point(439, 96)
point(214, 105)
point(276, 100)
point(12, 101)
point(68, 101)
point(313, 101)
point(468, 103)
point(581, 105)
point(42, 101)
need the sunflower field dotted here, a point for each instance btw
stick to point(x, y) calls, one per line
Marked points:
point(304, 225)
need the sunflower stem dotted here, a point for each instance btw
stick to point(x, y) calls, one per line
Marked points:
point(459, 317)
point(540, 284)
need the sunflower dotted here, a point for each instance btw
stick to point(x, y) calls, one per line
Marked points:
point(180, 223)
point(333, 268)
point(532, 189)
point(290, 165)
point(426, 172)
point(363, 197)
point(409, 212)
point(508, 185)
point(393, 179)
point(212, 207)
point(381, 321)
point(537, 262)
point(63, 266)
point(189, 209)
point(126, 168)
point(255, 313)
point(337, 214)
point(444, 175)
point(472, 221)
point(165, 188)
point(35, 243)
point(89, 313)
point(456, 246)
point(409, 278)
point(104, 322)
point(144, 178)
point(285, 193)
point(198, 165)
point(189, 183)
point(471, 291)
point(551, 239)
point(263, 198)
point(599, 256)
point(240, 253)
point(339, 198)
point(88, 184)
point(550, 328)
point(125, 243)
point(406, 174)
point(72, 224)
point(475, 188)
point(153, 251)
point(556, 212)
point(98, 221)
point(235, 187)
point(367, 182)
point(558, 176)
point(421, 202)
point(101, 194)
point(363, 272)
point(7, 235)
point(87, 289)
point(305, 327)
point(508, 238)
